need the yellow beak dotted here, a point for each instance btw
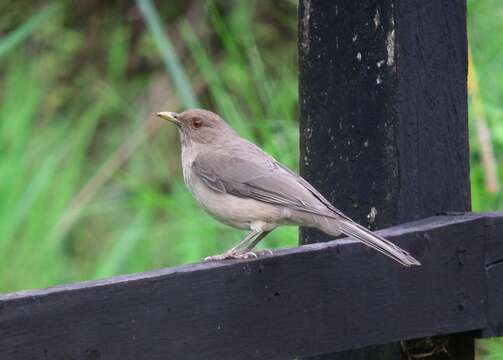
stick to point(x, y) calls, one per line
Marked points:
point(169, 116)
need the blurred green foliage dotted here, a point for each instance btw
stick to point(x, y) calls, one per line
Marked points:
point(485, 23)
point(90, 182)
point(76, 89)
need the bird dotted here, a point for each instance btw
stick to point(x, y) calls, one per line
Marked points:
point(242, 186)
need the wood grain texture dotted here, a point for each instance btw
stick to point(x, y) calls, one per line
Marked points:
point(265, 308)
point(432, 108)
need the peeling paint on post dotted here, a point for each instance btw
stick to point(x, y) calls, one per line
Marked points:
point(348, 105)
point(383, 126)
point(304, 41)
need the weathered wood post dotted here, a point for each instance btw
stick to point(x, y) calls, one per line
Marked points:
point(383, 106)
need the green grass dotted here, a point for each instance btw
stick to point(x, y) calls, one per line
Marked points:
point(57, 135)
point(485, 18)
point(75, 207)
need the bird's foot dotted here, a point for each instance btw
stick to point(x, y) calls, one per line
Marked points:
point(253, 254)
point(264, 252)
point(231, 255)
point(218, 257)
point(247, 255)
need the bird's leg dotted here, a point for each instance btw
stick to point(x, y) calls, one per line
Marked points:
point(256, 241)
point(232, 253)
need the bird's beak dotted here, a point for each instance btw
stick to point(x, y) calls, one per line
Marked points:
point(170, 116)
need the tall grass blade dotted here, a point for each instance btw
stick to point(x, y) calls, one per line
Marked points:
point(25, 30)
point(168, 54)
point(489, 162)
point(123, 247)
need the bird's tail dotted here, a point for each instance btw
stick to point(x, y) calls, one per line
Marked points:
point(350, 228)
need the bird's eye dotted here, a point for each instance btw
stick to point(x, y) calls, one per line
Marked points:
point(197, 123)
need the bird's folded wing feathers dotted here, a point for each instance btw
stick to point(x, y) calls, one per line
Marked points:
point(253, 174)
point(258, 177)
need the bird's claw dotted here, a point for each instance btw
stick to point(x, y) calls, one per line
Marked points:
point(226, 256)
point(247, 255)
point(265, 252)
point(216, 257)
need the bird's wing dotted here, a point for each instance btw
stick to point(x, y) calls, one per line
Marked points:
point(250, 173)
point(315, 192)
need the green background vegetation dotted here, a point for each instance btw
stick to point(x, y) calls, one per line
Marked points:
point(90, 181)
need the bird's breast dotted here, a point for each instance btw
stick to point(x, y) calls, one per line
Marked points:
point(229, 209)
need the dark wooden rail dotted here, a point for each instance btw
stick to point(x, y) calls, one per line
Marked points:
point(267, 308)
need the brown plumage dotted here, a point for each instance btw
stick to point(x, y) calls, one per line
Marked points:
point(242, 186)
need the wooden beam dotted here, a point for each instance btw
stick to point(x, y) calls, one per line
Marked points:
point(384, 126)
point(267, 308)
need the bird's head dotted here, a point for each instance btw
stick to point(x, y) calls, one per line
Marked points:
point(198, 125)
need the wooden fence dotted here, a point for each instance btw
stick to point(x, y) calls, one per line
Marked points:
point(384, 135)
